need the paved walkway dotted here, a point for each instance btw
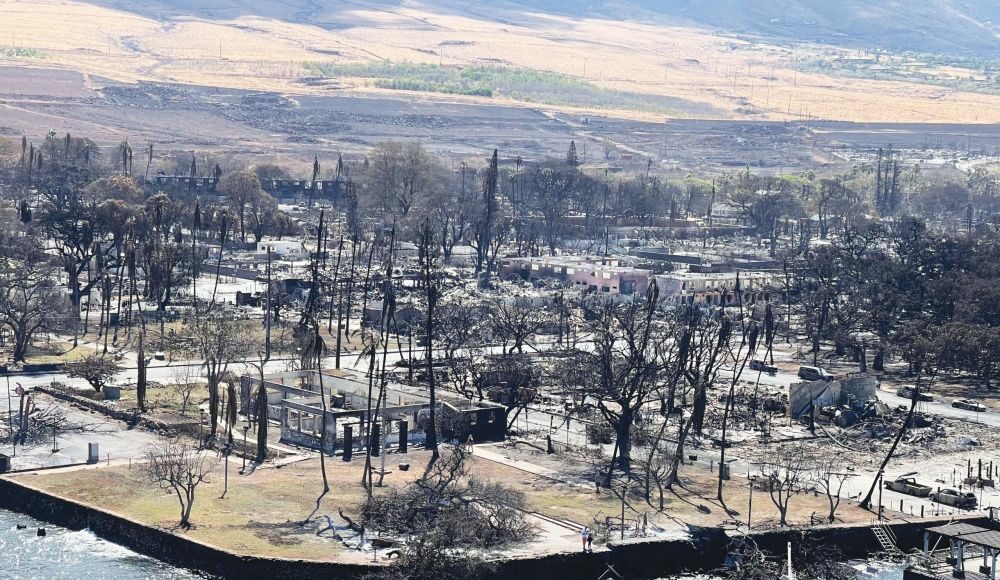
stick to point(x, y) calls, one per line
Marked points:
point(533, 468)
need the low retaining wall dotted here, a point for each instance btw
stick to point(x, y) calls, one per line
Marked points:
point(161, 544)
point(638, 558)
point(130, 416)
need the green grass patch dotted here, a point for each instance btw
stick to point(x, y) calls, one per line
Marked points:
point(976, 76)
point(520, 84)
point(20, 52)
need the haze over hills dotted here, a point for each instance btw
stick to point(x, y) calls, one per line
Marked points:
point(930, 26)
point(725, 59)
point(927, 26)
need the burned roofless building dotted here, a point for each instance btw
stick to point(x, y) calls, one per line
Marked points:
point(295, 399)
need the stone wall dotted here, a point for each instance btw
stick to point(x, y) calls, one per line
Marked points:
point(704, 549)
point(162, 544)
point(130, 416)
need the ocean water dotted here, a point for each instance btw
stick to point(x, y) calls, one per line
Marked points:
point(67, 555)
point(873, 570)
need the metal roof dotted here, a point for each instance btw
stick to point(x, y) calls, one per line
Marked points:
point(969, 533)
point(957, 529)
point(987, 539)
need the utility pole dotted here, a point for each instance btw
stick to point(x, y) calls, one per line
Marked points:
point(382, 449)
point(10, 418)
point(604, 214)
point(267, 315)
point(881, 475)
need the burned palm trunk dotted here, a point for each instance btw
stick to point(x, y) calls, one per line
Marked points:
point(740, 359)
point(195, 270)
point(682, 357)
point(355, 247)
point(368, 273)
point(335, 290)
point(213, 398)
point(261, 408)
point(484, 229)
point(307, 313)
point(218, 265)
point(430, 285)
point(140, 382)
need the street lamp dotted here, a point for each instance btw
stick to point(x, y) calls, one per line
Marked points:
point(10, 419)
point(624, 491)
point(201, 432)
point(226, 450)
point(245, 429)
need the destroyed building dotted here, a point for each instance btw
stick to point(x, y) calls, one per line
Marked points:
point(845, 396)
point(606, 275)
point(709, 289)
point(295, 400)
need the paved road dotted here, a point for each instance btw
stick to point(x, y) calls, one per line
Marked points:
point(943, 408)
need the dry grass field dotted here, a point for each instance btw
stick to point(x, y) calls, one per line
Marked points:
point(263, 512)
point(741, 79)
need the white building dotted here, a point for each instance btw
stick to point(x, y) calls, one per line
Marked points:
point(591, 274)
point(283, 249)
point(708, 289)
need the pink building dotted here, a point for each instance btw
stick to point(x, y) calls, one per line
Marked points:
point(589, 274)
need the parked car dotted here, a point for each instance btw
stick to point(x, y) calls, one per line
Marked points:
point(906, 391)
point(961, 499)
point(969, 405)
point(759, 365)
point(814, 374)
point(909, 486)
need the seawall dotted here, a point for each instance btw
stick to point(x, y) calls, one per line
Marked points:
point(705, 550)
point(161, 544)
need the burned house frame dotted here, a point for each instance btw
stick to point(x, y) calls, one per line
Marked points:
point(295, 400)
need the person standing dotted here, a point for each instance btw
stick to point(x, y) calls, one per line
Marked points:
point(590, 541)
point(584, 534)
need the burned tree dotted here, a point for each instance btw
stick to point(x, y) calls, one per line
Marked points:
point(829, 476)
point(178, 468)
point(219, 341)
point(625, 366)
point(97, 370)
point(450, 502)
point(511, 380)
point(30, 301)
point(514, 321)
point(703, 342)
point(785, 474)
point(486, 225)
